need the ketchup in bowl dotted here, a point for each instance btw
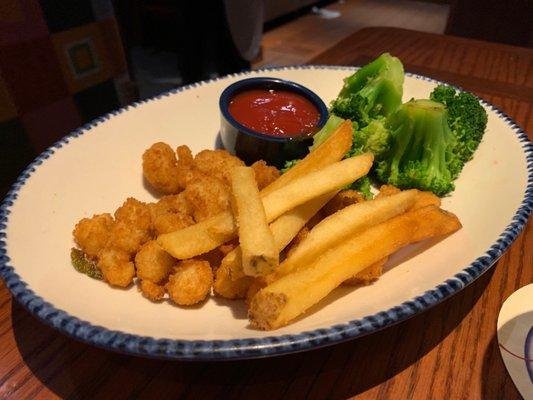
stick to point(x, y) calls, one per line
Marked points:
point(281, 113)
point(270, 119)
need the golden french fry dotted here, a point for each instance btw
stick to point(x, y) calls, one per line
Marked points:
point(224, 285)
point(199, 238)
point(315, 184)
point(258, 249)
point(299, 191)
point(332, 150)
point(211, 233)
point(424, 199)
point(344, 223)
point(369, 274)
point(287, 298)
point(284, 229)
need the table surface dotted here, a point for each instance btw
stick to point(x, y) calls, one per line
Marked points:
point(449, 351)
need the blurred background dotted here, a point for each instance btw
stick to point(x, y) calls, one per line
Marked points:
point(66, 62)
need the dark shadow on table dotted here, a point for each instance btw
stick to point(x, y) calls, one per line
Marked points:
point(74, 370)
point(493, 365)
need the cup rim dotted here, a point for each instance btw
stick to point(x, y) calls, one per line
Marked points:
point(241, 85)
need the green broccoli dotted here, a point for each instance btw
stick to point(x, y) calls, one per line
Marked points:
point(363, 186)
point(467, 119)
point(329, 127)
point(374, 90)
point(421, 148)
point(81, 264)
point(374, 138)
point(289, 164)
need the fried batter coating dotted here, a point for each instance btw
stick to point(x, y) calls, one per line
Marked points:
point(207, 196)
point(160, 168)
point(127, 238)
point(264, 174)
point(170, 222)
point(387, 190)
point(174, 203)
point(217, 163)
point(190, 283)
point(116, 267)
point(134, 213)
point(185, 158)
point(225, 287)
point(91, 234)
point(152, 291)
point(153, 263)
point(132, 226)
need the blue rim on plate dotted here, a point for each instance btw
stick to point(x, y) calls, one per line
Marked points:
point(249, 347)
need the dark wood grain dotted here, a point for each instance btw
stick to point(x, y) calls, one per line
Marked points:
point(449, 351)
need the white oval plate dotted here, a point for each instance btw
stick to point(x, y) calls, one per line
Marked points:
point(95, 168)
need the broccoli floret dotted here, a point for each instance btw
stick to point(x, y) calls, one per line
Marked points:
point(374, 90)
point(362, 185)
point(329, 127)
point(467, 119)
point(420, 154)
point(374, 138)
point(288, 165)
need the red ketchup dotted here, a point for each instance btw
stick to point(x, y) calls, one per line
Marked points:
point(275, 112)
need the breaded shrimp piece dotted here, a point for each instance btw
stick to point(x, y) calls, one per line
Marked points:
point(186, 170)
point(116, 267)
point(217, 163)
point(91, 234)
point(134, 213)
point(172, 203)
point(127, 237)
point(264, 174)
point(207, 196)
point(153, 263)
point(185, 158)
point(190, 283)
point(152, 291)
point(170, 222)
point(132, 228)
point(160, 168)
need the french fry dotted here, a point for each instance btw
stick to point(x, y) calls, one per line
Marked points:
point(369, 274)
point(287, 298)
point(284, 229)
point(344, 223)
point(224, 285)
point(199, 238)
point(332, 150)
point(374, 271)
point(301, 190)
point(258, 250)
point(315, 184)
point(211, 233)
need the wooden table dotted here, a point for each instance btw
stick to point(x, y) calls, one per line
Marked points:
point(449, 351)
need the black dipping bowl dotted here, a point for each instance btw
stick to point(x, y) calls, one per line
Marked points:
point(250, 145)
